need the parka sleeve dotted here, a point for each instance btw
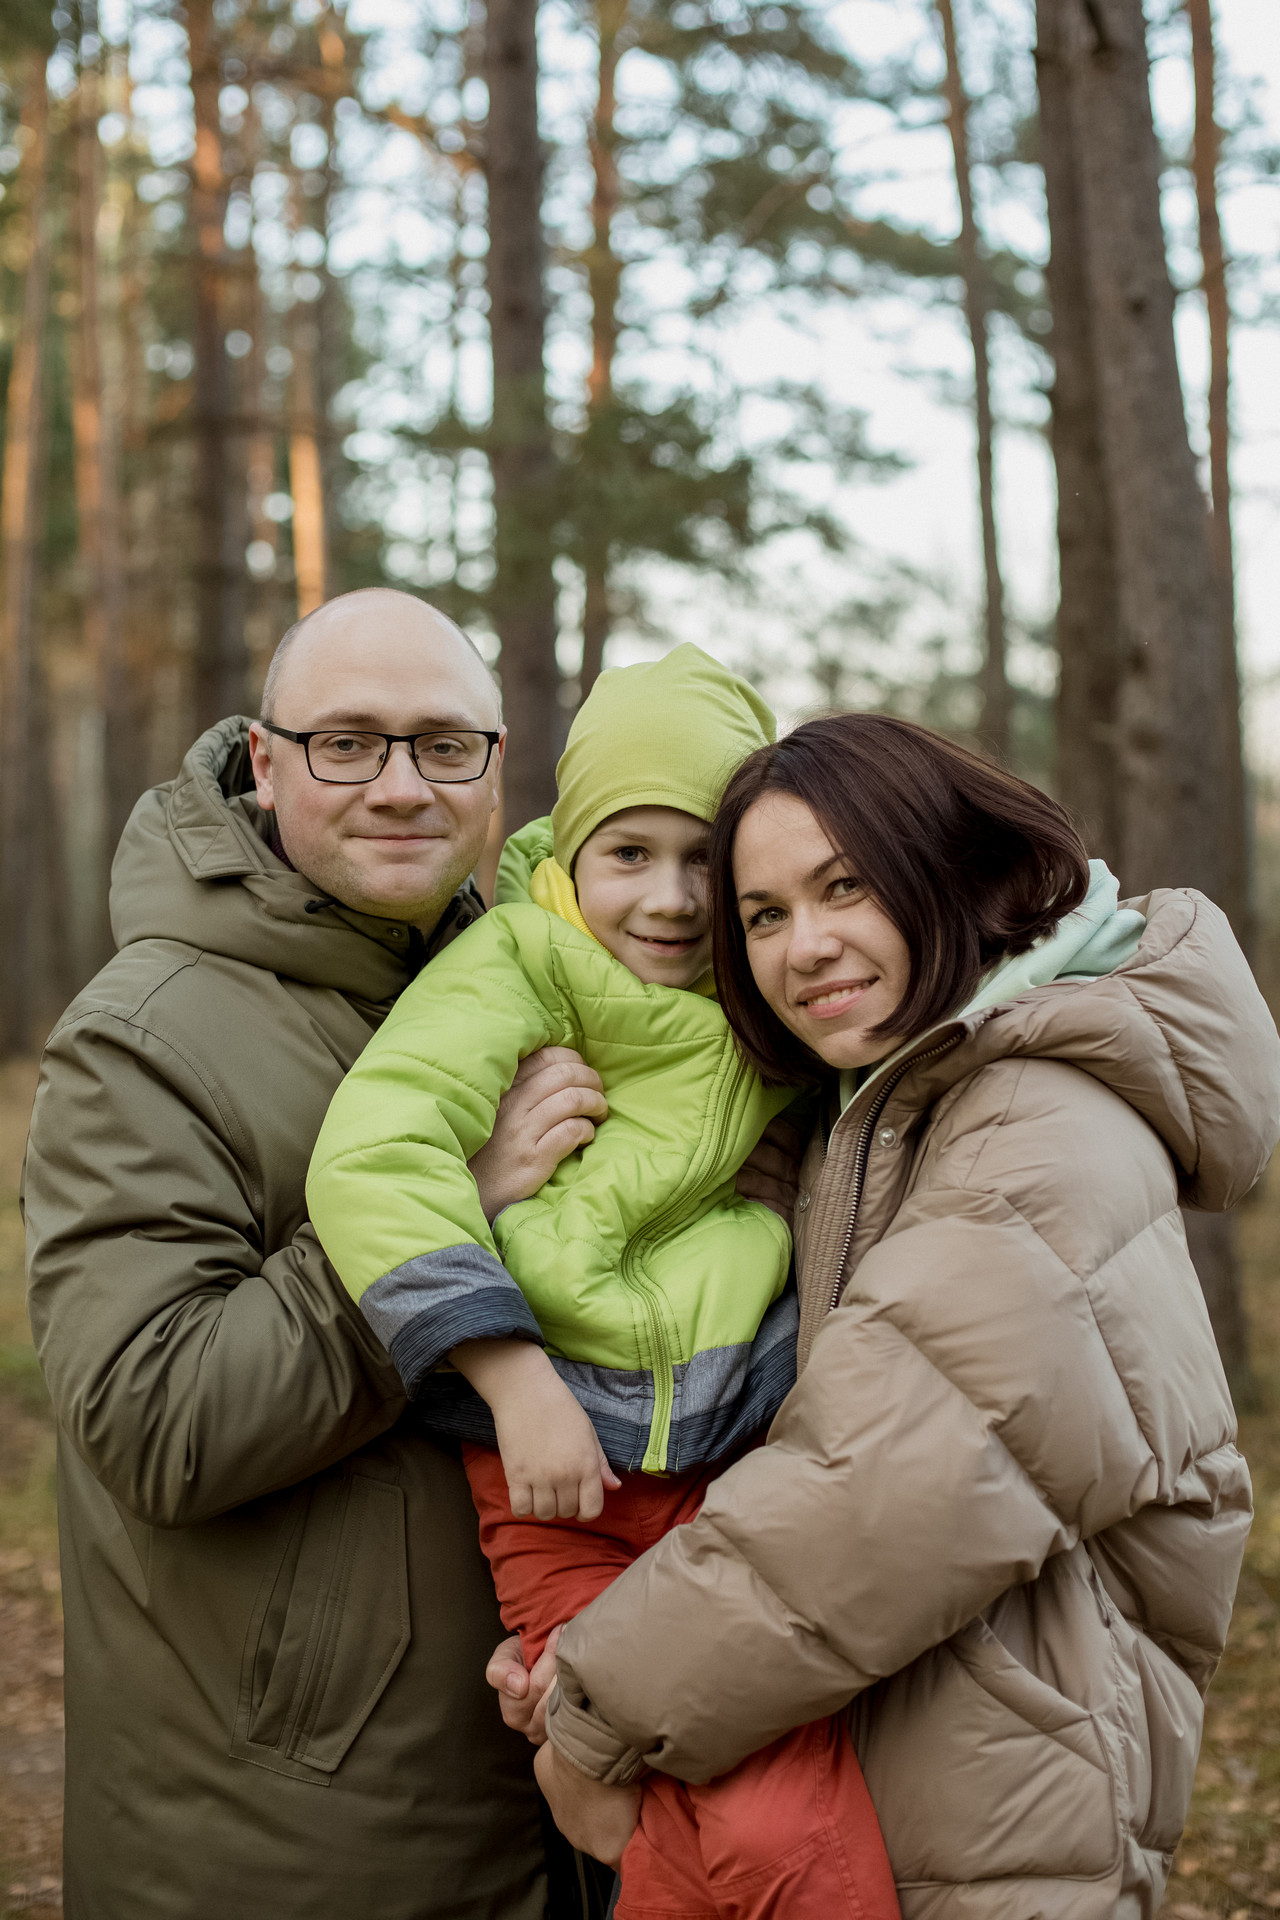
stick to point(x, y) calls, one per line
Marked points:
point(983, 1398)
point(189, 1372)
point(389, 1190)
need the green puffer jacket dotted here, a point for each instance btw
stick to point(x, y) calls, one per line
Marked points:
point(659, 1292)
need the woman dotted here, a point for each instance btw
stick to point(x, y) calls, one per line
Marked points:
point(1002, 1511)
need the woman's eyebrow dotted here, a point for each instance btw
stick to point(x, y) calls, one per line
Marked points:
point(814, 873)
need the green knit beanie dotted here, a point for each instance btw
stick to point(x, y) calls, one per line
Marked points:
point(667, 733)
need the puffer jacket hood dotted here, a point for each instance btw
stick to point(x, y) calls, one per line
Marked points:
point(1165, 1032)
point(194, 865)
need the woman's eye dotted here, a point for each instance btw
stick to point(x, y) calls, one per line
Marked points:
point(845, 886)
point(765, 917)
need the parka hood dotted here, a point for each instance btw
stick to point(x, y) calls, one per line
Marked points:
point(1180, 1031)
point(194, 865)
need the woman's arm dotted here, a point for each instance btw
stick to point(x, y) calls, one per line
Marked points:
point(981, 1399)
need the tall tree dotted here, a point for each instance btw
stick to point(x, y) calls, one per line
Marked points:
point(221, 656)
point(31, 956)
point(1165, 703)
point(1235, 892)
point(520, 450)
point(997, 702)
point(98, 509)
point(604, 272)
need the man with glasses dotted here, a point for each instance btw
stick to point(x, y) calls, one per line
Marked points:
point(277, 1615)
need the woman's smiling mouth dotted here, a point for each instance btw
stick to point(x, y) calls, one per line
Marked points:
point(830, 1001)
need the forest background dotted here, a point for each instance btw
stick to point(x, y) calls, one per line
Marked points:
point(915, 354)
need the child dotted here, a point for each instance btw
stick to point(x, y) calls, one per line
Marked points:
point(610, 1344)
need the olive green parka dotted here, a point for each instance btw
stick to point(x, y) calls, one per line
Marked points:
point(277, 1614)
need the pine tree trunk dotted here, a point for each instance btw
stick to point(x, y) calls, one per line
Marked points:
point(1102, 168)
point(32, 954)
point(1088, 620)
point(603, 274)
point(997, 701)
point(521, 458)
point(1235, 892)
point(98, 514)
point(306, 474)
point(221, 655)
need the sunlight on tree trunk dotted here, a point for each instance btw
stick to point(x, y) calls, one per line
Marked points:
point(221, 656)
point(996, 695)
point(520, 454)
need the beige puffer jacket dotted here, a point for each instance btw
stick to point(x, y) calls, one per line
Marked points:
point(1002, 1511)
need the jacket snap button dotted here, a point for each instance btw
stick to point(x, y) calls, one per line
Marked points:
point(802, 1201)
point(887, 1137)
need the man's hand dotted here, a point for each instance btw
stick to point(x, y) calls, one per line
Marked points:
point(555, 1465)
point(771, 1171)
point(595, 1819)
point(522, 1693)
point(552, 1107)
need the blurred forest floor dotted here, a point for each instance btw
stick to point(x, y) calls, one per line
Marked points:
point(1228, 1867)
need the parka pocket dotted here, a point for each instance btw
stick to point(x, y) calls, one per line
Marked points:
point(329, 1629)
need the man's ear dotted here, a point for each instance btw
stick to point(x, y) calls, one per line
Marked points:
point(260, 760)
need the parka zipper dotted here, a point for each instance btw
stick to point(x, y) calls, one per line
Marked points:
point(862, 1152)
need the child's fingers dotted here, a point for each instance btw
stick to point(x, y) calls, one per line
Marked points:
point(590, 1498)
point(546, 1503)
point(607, 1474)
point(521, 1499)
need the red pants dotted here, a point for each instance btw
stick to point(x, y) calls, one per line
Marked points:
point(791, 1834)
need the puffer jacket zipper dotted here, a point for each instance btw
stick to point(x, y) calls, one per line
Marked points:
point(862, 1154)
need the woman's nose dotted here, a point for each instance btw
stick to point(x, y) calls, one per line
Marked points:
point(811, 944)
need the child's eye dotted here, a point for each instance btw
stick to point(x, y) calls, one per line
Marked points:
point(631, 856)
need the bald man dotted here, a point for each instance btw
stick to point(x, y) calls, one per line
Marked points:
point(277, 1615)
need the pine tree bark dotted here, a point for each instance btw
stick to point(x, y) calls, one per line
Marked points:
point(1235, 891)
point(1165, 702)
point(604, 272)
point(99, 530)
point(1088, 619)
point(32, 950)
point(997, 699)
point(221, 656)
point(520, 454)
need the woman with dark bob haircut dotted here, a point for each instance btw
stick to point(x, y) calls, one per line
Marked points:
point(1000, 1517)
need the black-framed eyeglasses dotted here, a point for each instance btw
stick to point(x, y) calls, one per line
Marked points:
point(351, 757)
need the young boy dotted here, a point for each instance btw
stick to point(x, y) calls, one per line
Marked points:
point(608, 1345)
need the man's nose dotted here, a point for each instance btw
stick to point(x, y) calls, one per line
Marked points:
point(399, 784)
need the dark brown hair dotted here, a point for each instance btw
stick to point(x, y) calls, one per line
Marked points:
point(970, 864)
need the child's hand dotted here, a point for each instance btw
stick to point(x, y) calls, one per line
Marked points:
point(555, 1467)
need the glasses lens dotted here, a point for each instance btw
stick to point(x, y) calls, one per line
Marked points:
point(346, 756)
point(451, 756)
